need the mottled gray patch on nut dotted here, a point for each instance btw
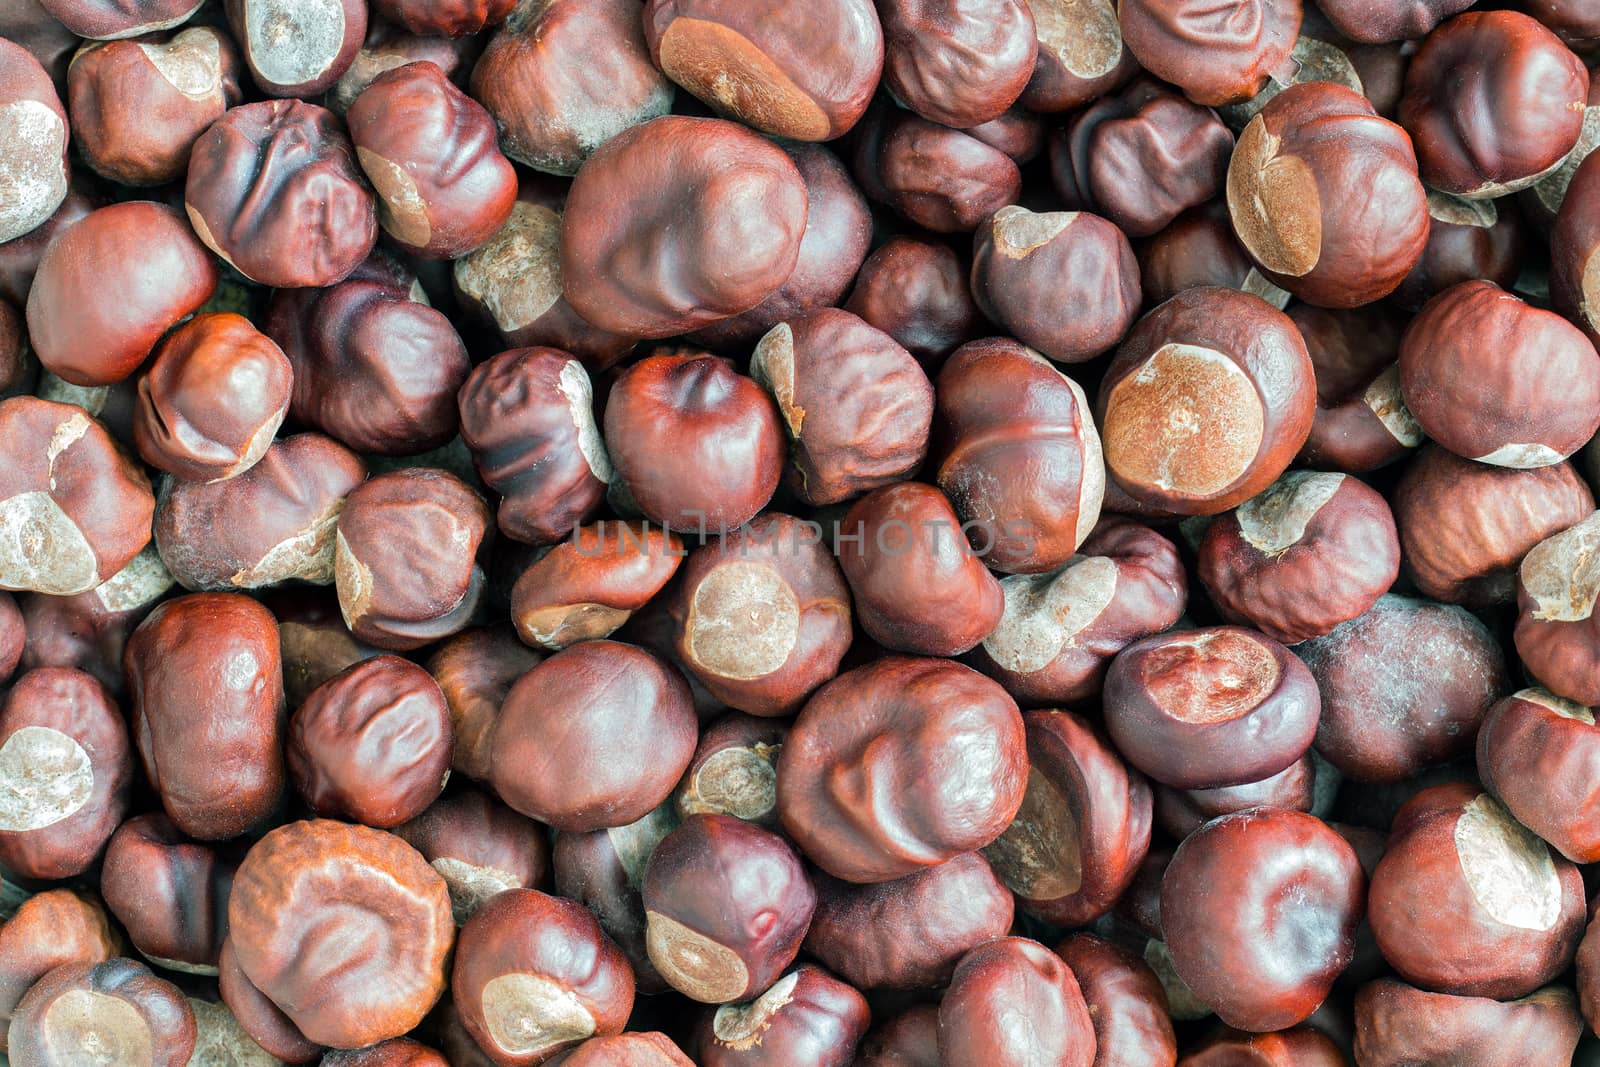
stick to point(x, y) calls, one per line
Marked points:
point(743, 622)
point(1044, 613)
point(1562, 573)
point(527, 1014)
point(1509, 871)
point(293, 41)
point(45, 777)
point(516, 274)
point(1275, 519)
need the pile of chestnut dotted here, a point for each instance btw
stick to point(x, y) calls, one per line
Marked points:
point(799, 533)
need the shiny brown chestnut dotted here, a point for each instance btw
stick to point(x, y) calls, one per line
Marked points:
point(116, 1011)
point(431, 153)
point(295, 48)
point(1126, 1003)
point(727, 904)
point(1300, 787)
point(169, 893)
point(1218, 53)
point(76, 508)
point(856, 405)
point(35, 125)
point(206, 677)
point(1398, 1025)
point(1539, 754)
point(534, 974)
point(1060, 629)
point(734, 770)
point(405, 557)
point(908, 933)
point(916, 291)
point(1199, 248)
point(112, 253)
point(1012, 1002)
point(1556, 589)
point(612, 710)
point(633, 1049)
point(1081, 54)
point(1467, 240)
point(941, 179)
point(396, 1052)
point(1467, 900)
point(952, 739)
point(1301, 1046)
point(631, 271)
point(138, 106)
point(1361, 422)
point(1493, 101)
point(475, 669)
point(959, 63)
point(88, 631)
point(1259, 910)
point(591, 583)
point(807, 1016)
point(480, 848)
point(274, 189)
point(1382, 21)
point(49, 930)
point(1324, 195)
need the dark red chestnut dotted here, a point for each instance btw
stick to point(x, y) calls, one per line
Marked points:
point(115, 1011)
point(1216, 53)
point(1081, 54)
point(1301, 1046)
point(1300, 787)
point(1398, 1025)
point(1556, 587)
point(1126, 1003)
point(1378, 21)
point(1536, 754)
point(169, 893)
point(734, 770)
point(35, 126)
point(88, 631)
point(917, 292)
point(592, 582)
point(1362, 422)
point(445, 18)
point(940, 179)
point(480, 848)
point(1013, 1002)
point(807, 1016)
point(297, 47)
point(959, 63)
point(1574, 244)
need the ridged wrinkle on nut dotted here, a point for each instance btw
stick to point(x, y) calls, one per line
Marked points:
point(527, 1013)
point(743, 622)
point(401, 208)
point(725, 68)
point(1044, 613)
point(1018, 231)
point(1039, 856)
point(1208, 677)
point(740, 1026)
point(772, 367)
point(738, 781)
point(293, 42)
point(45, 778)
point(1275, 519)
point(1275, 203)
point(42, 549)
point(191, 62)
point(88, 1027)
point(1562, 573)
point(1384, 399)
point(1084, 35)
point(693, 963)
point(1509, 871)
point(575, 385)
point(33, 181)
point(516, 274)
point(1567, 709)
point(472, 885)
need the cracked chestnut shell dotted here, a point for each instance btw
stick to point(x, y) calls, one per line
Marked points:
point(1218, 53)
point(807, 1016)
point(115, 1011)
point(1536, 754)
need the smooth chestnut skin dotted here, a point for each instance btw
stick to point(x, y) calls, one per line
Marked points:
point(1493, 101)
point(65, 772)
point(295, 48)
point(480, 848)
point(372, 743)
point(261, 1020)
point(35, 124)
point(959, 63)
point(49, 930)
point(802, 73)
point(1013, 1002)
point(1398, 1025)
point(345, 929)
point(1467, 900)
point(1555, 613)
point(949, 739)
point(592, 582)
point(405, 561)
point(1060, 629)
point(762, 616)
point(206, 678)
point(638, 270)
point(475, 669)
point(695, 444)
point(1212, 707)
point(908, 933)
point(734, 770)
point(1259, 910)
point(1467, 240)
point(595, 736)
point(916, 291)
point(807, 1016)
point(943, 180)
point(1083, 828)
point(211, 399)
point(432, 154)
point(1126, 1003)
point(1299, 1047)
point(1312, 551)
point(292, 495)
point(1574, 244)
point(1221, 54)
point(1535, 397)
point(918, 587)
point(445, 18)
point(1180, 812)
point(88, 631)
point(146, 271)
point(528, 417)
point(1465, 526)
point(274, 189)
point(534, 974)
point(856, 405)
point(1206, 402)
point(76, 507)
point(1361, 422)
point(115, 1010)
point(1387, 717)
point(727, 905)
point(650, 1049)
point(169, 893)
point(138, 106)
point(18, 366)
point(1199, 248)
point(1324, 195)
point(1064, 282)
point(1539, 755)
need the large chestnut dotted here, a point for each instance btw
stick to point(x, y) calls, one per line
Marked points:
point(1012, 1002)
point(944, 180)
point(34, 126)
point(115, 1011)
point(1539, 755)
point(807, 1016)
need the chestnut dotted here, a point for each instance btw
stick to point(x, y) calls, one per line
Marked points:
point(113, 252)
point(1199, 248)
point(1206, 402)
point(693, 443)
point(389, 45)
point(114, 1011)
point(1494, 101)
point(313, 638)
point(637, 270)
point(206, 677)
point(588, 585)
point(916, 291)
point(295, 48)
point(49, 930)
point(1301, 1046)
point(89, 631)
point(431, 153)
point(909, 1039)
point(760, 64)
point(113, 19)
point(1211, 707)
point(1325, 197)
point(1389, 20)
point(169, 893)
point(1259, 910)
point(1467, 240)
point(1555, 590)
point(1385, 717)
point(405, 557)
point(534, 975)
point(908, 933)
point(479, 847)
point(633, 1049)
point(1305, 785)
point(1574, 242)
point(593, 737)
point(1126, 1003)
point(475, 669)
point(1467, 900)
point(1362, 422)
point(74, 510)
point(734, 770)
point(807, 1016)
point(959, 63)
point(1081, 54)
point(943, 180)
point(1013, 1002)
point(267, 1027)
point(1537, 754)
point(1215, 54)
point(1398, 1025)
point(274, 189)
point(1310, 552)
point(449, 18)
point(856, 405)
point(950, 738)
point(34, 125)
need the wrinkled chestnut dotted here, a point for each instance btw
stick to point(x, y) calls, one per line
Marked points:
point(592, 582)
point(917, 292)
point(1398, 1025)
point(1361, 422)
point(273, 188)
point(111, 1012)
point(940, 179)
point(1467, 900)
point(1538, 754)
point(1126, 1003)
point(475, 669)
point(592, 737)
point(1467, 240)
point(1216, 53)
point(88, 631)
point(296, 48)
point(34, 125)
point(1013, 1002)
point(534, 975)
point(807, 1016)
point(1389, 20)
point(1299, 1047)
point(479, 847)
point(959, 63)
point(54, 928)
point(734, 770)
point(169, 893)
point(952, 741)
point(445, 18)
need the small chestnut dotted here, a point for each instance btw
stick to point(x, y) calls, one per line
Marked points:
point(481, 848)
point(169, 893)
point(734, 770)
point(475, 669)
point(591, 583)
point(807, 1016)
